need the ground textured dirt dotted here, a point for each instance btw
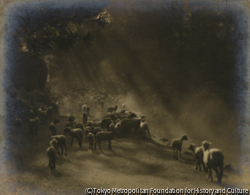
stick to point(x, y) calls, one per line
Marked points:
point(132, 163)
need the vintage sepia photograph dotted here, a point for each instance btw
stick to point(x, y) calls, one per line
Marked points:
point(124, 97)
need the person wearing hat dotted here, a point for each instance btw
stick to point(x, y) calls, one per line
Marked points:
point(72, 123)
point(85, 108)
point(52, 127)
point(80, 105)
point(31, 114)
